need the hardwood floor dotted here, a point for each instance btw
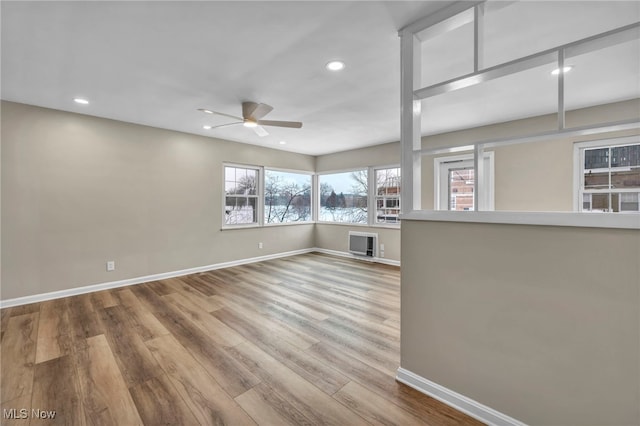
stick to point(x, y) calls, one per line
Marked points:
point(304, 340)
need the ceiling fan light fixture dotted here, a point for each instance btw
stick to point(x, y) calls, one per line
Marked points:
point(565, 70)
point(335, 65)
point(206, 111)
point(250, 124)
point(206, 127)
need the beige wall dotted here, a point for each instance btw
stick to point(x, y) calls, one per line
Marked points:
point(540, 323)
point(378, 155)
point(335, 237)
point(78, 191)
point(531, 176)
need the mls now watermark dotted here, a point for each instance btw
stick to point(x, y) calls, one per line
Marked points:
point(23, 413)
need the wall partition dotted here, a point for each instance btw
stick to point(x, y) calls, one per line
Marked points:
point(526, 77)
point(520, 216)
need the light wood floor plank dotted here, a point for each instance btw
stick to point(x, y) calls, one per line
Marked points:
point(15, 416)
point(313, 370)
point(266, 407)
point(159, 403)
point(57, 389)
point(203, 395)
point(143, 321)
point(376, 409)
point(314, 404)
point(54, 333)
point(209, 324)
point(105, 396)
point(134, 360)
point(18, 356)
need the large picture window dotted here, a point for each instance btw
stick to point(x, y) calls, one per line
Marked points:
point(241, 195)
point(387, 195)
point(609, 177)
point(287, 197)
point(343, 197)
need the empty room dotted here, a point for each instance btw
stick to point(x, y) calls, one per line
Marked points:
point(320, 212)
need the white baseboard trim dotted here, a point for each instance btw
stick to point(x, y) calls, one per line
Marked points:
point(139, 280)
point(453, 399)
point(353, 256)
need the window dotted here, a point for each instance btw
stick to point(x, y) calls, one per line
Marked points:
point(287, 197)
point(343, 197)
point(387, 195)
point(241, 195)
point(455, 181)
point(609, 176)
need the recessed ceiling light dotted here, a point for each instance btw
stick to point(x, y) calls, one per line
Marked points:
point(565, 70)
point(335, 65)
point(205, 111)
point(81, 101)
point(206, 127)
point(283, 143)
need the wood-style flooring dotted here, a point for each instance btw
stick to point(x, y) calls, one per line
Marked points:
point(304, 340)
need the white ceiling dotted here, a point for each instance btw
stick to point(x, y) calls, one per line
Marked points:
point(156, 63)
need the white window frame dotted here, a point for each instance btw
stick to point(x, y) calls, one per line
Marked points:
point(578, 169)
point(259, 195)
point(441, 167)
point(313, 198)
point(373, 197)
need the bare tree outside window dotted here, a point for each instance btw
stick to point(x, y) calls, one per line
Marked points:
point(287, 197)
point(343, 197)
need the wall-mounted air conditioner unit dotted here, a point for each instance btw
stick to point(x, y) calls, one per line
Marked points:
point(362, 243)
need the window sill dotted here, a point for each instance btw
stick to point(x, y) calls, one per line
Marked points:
point(361, 225)
point(574, 219)
point(270, 225)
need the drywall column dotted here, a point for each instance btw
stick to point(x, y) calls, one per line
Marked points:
point(541, 323)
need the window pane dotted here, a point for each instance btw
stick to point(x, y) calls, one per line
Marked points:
point(625, 156)
point(240, 210)
point(596, 158)
point(629, 178)
point(461, 183)
point(343, 197)
point(240, 202)
point(388, 195)
point(586, 202)
point(287, 197)
point(597, 180)
point(600, 202)
point(629, 202)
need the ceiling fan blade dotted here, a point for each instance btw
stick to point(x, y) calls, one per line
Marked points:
point(260, 131)
point(208, 111)
point(225, 125)
point(292, 124)
point(255, 111)
point(227, 115)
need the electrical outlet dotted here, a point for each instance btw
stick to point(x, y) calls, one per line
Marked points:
point(381, 247)
point(381, 253)
point(259, 245)
point(111, 265)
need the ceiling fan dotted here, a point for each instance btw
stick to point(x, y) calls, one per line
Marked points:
point(252, 113)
